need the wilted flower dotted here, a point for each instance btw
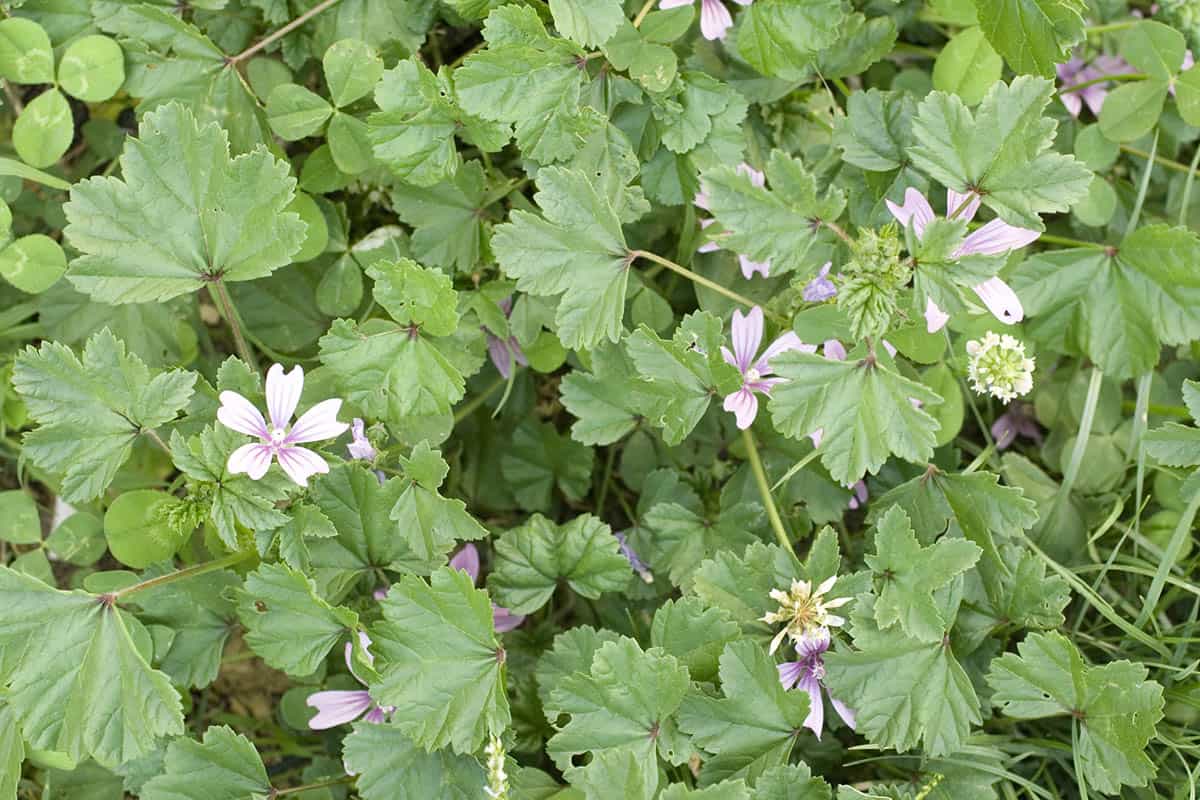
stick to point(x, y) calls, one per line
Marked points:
point(998, 366)
point(714, 17)
point(748, 265)
point(991, 239)
point(503, 352)
point(638, 565)
point(360, 448)
point(276, 440)
point(497, 785)
point(1016, 421)
point(820, 288)
point(1077, 71)
point(339, 707)
point(747, 334)
point(804, 611)
point(467, 559)
point(809, 674)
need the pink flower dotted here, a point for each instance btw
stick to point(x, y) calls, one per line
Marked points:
point(747, 334)
point(714, 17)
point(809, 674)
point(859, 494)
point(993, 238)
point(339, 707)
point(360, 448)
point(820, 288)
point(467, 559)
point(1076, 71)
point(749, 266)
point(503, 352)
point(276, 440)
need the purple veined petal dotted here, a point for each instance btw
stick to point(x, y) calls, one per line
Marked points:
point(337, 707)
point(820, 288)
point(283, 393)
point(318, 424)
point(375, 716)
point(844, 711)
point(834, 350)
point(813, 645)
point(300, 464)
point(1071, 102)
point(674, 3)
point(504, 620)
point(1093, 96)
point(252, 459)
point(714, 19)
point(757, 178)
point(744, 407)
point(1001, 300)
point(786, 342)
point(239, 414)
point(1069, 69)
point(467, 559)
point(1105, 64)
point(763, 385)
point(506, 305)
point(790, 673)
point(935, 318)
point(816, 706)
point(499, 354)
point(360, 448)
point(747, 334)
point(749, 267)
point(916, 209)
point(955, 199)
point(995, 238)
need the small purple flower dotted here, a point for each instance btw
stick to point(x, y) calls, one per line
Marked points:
point(859, 494)
point(276, 441)
point(1077, 71)
point(339, 707)
point(638, 565)
point(467, 559)
point(504, 351)
point(1016, 421)
point(809, 674)
point(360, 448)
point(755, 369)
point(993, 238)
point(820, 288)
point(701, 200)
point(715, 19)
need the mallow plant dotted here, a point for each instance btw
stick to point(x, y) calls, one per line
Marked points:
point(599, 400)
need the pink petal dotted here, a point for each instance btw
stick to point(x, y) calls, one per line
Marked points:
point(749, 267)
point(301, 464)
point(375, 716)
point(360, 448)
point(844, 712)
point(916, 208)
point(239, 414)
point(935, 318)
point(813, 644)
point(467, 559)
point(747, 334)
point(757, 178)
point(364, 641)
point(891, 348)
point(1001, 300)
point(955, 199)
point(701, 199)
point(743, 405)
point(816, 706)
point(1095, 94)
point(318, 423)
point(504, 620)
point(786, 342)
point(500, 356)
point(1072, 103)
point(283, 393)
point(252, 459)
point(714, 19)
point(790, 672)
point(816, 436)
point(834, 350)
point(337, 708)
point(995, 238)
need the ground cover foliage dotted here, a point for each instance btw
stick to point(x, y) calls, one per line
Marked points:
point(590, 399)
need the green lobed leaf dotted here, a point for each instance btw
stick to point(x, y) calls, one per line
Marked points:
point(416, 296)
point(781, 37)
point(389, 766)
point(1032, 35)
point(694, 633)
point(223, 766)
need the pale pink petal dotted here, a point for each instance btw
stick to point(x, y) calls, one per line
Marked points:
point(504, 620)
point(364, 642)
point(955, 199)
point(729, 357)
point(714, 19)
point(375, 716)
point(748, 2)
point(301, 464)
point(995, 238)
point(381, 593)
point(757, 178)
point(844, 712)
point(360, 448)
point(747, 334)
point(816, 436)
point(891, 348)
point(283, 393)
point(816, 706)
point(1001, 300)
point(749, 267)
point(915, 209)
point(1071, 102)
point(834, 350)
point(467, 559)
point(1093, 96)
point(239, 414)
point(743, 405)
point(786, 342)
point(790, 672)
point(337, 708)
point(499, 354)
point(318, 423)
point(707, 247)
point(701, 198)
point(252, 459)
point(674, 3)
point(935, 318)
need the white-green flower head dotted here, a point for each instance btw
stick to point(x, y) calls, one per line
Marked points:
point(997, 365)
point(805, 611)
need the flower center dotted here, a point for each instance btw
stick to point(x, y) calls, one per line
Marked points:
point(277, 436)
point(752, 375)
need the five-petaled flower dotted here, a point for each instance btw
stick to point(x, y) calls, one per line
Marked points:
point(339, 707)
point(804, 611)
point(991, 239)
point(808, 674)
point(747, 334)
point(1076, 71)
point(714, 17)
point(276, 440)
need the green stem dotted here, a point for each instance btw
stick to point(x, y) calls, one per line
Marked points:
point(904, 48)
point(468, 408)
point(220, 293)
point(705, 282)
point(1181, 534)
point(1109, 27)
point(842, 87)
point(1187, 188)
point(641, 15)
point(1123, 76)
point(1081, 441)
point(309, 786)
point(983, 456)
point(153, 436)
point(1068, 242)
point(764, 491)
point(186, 572)
point(799, 465)
point(1160, 160)
point(1158, 409)
point(284, 31)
